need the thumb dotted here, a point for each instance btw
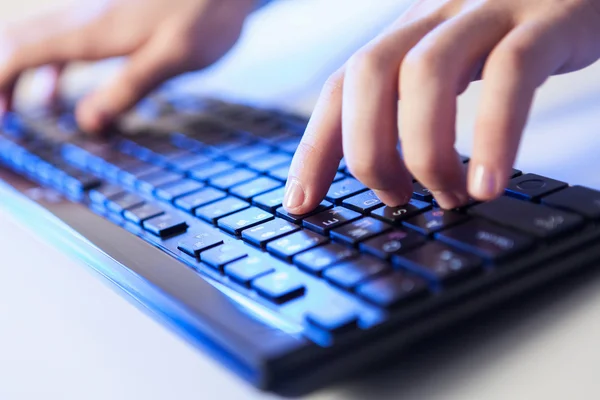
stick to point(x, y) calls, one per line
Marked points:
point(147, 68)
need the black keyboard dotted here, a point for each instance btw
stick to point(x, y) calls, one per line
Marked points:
point(182, 210)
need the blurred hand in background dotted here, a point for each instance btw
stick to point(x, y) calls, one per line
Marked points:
point(162, 39)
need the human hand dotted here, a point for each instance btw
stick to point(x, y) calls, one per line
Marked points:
point(426, 58)
point(163, 38)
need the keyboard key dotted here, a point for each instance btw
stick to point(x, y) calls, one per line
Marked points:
point(124, 202)
point(236, 223)
point(287, 247)
point(165, 225)
point(420, 192)
point(142, 213)
point(245, 153)
point(330, 219)
point(149, 183)
point(261, 234)
point(231, 178)
point(270, 201)
point(360, 230)
point(179, 189)
point(197, 242)
point(351, 273)
point(132, 172)
point(289, 145)
point(248, 269)
point(392, 243)
point(255, 187)
point(105, 192)
point(218, 257)
point(363, 203)
point(532, 186)
point(439, 263)
point(200, 198)
point(297, 219)
point(204, 172)
point(222, 208)
point(267, 162)
point(578, 199)
point(515, 172)
point(185, 163)
point(77, 182)
point(318, 259)
point(343, 189)
point(394, 215)
point(280, 173)
point(279, 287)
point(470, 203)
point(393, 289)
point(485, 239)
point(434, 220)
point(538, 220)
point(334, 318)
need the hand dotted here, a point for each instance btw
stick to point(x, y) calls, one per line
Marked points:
point(163, 38)
point(426, 58)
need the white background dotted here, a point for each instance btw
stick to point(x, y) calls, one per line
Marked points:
point(65, 334)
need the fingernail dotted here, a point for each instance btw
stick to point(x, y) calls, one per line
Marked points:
point(484, 183)
point(294, 195)
point(448, 200)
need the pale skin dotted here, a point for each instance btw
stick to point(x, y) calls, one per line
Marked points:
point(425, 59)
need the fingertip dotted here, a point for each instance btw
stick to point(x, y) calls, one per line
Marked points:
point(485, 183)
point(294, 200)
point(92, 117)
point(392, 198)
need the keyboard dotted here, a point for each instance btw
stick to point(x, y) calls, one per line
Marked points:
point(181, 208)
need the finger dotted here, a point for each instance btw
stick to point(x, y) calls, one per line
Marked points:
point(432, 75)
point(56, 72)
point(370, 110)
point(316, 161)
point(150, 66)
point(7, 96)
point(515, 69)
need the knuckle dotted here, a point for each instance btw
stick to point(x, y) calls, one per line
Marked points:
point(425, 60)
point(368, 61)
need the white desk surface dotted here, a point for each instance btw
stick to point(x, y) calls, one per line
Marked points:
point(66, 334)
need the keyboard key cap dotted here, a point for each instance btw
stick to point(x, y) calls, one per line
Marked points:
point(578, 199)
point(185, 163)
point(255, 187)
point(420, 192)
point(149, 183)
point(393, 289)
point(351, 273)
point(538, 220)
point(231, 178)
point(532, 186)
point(392, 243)
point(279, 287)
point(287, 247)
point(434, 221)
point(485, 239)
point(200, 198)
point(245, 153)
point(343, 189)
point(204, 172)
point(142, 213)
point(439, 263)
point(394, 215)
point(360, 230)
point(318, 259)
point(197, 242)
point(165, 225)
point(222, 208)
point(261, 234)
point(105, 192)
point(270, 201)
point(289, 145)
point(330, 219)
point(248, 269)
point(363, 203)
point(280, 173)
point(179, 189)
point(124, 202)
point(515, 172)
point(297, 219)
point(218, 257)
point(132, 172)
point(334, 318)
point(236, 223)
point(267, 162)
